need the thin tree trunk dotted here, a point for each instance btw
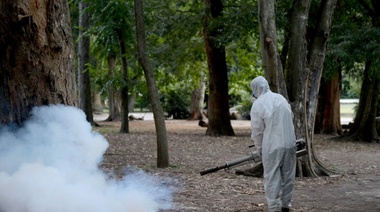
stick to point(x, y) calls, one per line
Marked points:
point(84, 85)
point(124, 87)
point(218, 100)
point(268, 40)
point(97, 103)
point(197, 99)
point(36, 58)
point(159, 119)
point(113, 96)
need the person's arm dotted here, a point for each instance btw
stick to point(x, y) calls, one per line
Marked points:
point(257, 127)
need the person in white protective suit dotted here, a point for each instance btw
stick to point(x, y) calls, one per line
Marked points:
point(274, 137)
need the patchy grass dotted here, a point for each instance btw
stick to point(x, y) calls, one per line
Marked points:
point(348, 109)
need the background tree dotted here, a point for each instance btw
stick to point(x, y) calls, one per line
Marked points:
point(36, 58)
point(114, 108)
point(162, 146)
point(112, 32)
point(367, 51)
point(353, 53)
point(197, 99)
point(84, 83)
point(177, 50)
point(174, 37)
point(218, 99)
point(327, 119)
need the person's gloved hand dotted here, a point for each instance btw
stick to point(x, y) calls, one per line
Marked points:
point(256, 157)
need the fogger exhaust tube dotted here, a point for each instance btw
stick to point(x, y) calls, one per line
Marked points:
point(300, 152)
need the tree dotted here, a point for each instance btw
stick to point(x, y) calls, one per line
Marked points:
point(269, 47)
point(84, 84)
point(364, 127)
point(112, 31)
point(218, 100)
point(304, 67)
point(36, 58)
point(124, 84)
point(353, 51)
point(197, 99)
point(113, 100)
point(328, 112)
point(159, 120)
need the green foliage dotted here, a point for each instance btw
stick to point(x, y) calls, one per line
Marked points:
point(353, 42)
point(246, 104)
point(351, 88)
point(176, 102)
point(175, 45)
point(244, 64)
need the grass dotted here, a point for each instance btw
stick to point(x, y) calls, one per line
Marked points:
point(347, 109)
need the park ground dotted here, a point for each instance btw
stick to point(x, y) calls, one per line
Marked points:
point(354, 187)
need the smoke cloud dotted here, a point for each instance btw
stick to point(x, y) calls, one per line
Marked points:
point(51, 165)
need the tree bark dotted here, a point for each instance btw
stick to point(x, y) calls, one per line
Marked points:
point(303, 71)
point(159, 119)
point(364, 127)
point(197, 99)
point(268, 40)
point(296, 64)
point(36, 57)
point(328, 112)
point(113, 96)
point(218, 100)
point(97, 102)
point(316, 58)
point(124, 84)
point(84, 84)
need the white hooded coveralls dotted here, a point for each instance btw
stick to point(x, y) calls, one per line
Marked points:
point(274, 137)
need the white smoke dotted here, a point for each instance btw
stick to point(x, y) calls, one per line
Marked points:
point(51, 165)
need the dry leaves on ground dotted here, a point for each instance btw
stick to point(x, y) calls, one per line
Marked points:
point(356, 188)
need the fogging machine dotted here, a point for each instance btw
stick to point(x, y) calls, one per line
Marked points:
point(301, 151)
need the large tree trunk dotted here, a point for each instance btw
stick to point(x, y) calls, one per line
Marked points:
point(124, 86)
point(84, 84)
point(36, 57)
point(328, 112)
point(268, 40)
point(364, 127)
point(197, 99)
point(113, 95)
point(159, 119)
point(303, 71)
point(296, 71)
point(218, 100)
point(316, 58)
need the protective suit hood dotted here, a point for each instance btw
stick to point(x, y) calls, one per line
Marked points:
point(259, 86)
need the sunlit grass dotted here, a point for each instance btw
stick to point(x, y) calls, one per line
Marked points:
point(347, 109)
point(106, 129)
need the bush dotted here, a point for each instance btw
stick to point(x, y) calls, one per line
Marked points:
point(176, 104)
point(245, 108)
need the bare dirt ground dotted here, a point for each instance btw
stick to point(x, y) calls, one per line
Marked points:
point(356, 187)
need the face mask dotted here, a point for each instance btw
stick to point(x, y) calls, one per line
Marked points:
point(253, 97)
